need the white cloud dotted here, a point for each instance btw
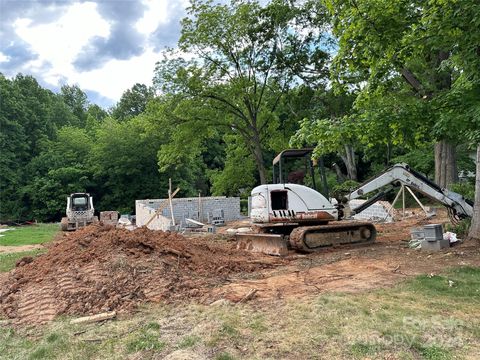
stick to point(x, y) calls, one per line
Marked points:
point(116, 76)
point(3, 57)
point(59, 43)
point(157, 13)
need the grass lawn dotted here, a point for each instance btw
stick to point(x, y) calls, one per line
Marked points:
point(7, 261)
point(427, 317)
point(29, 234)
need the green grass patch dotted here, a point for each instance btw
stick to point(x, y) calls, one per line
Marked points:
point(7, 261)
point(147, 339)
point(462, 282)
point(224, 356)
point(29, 234)
point(188, 341)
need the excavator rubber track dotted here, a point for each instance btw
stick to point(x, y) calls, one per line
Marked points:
point(313, 238)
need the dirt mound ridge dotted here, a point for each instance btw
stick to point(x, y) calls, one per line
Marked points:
point(101, 268)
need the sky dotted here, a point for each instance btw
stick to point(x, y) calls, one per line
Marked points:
point(103, 46)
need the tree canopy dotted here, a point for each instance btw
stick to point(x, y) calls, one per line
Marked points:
point(366, 82)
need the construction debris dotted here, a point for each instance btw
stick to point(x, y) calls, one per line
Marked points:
point(94, 318)
point(109, 217)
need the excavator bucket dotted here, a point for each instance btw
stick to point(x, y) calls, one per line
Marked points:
point(271, 244)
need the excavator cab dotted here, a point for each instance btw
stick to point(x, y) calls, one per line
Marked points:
point(286, 169)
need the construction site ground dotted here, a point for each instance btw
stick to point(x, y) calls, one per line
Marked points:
point(196, 296)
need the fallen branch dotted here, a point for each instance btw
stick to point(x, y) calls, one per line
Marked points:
point(249, 296)
point(94, 318)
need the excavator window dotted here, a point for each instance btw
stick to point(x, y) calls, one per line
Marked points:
point(279, 200)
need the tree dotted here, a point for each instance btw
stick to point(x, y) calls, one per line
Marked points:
point(60, 169)
point(133, 102)
point(238, 172)
point(77, 102)
point(248, 57)
point(432, 47)
point(474, 232)
point(331, 128)
point(381, 41)
point(26, 124)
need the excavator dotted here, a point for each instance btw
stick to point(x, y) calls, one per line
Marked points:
point(293, 216)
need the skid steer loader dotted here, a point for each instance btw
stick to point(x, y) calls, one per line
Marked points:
point(80, 212)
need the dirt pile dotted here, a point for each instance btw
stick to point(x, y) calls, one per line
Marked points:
point(101, 268)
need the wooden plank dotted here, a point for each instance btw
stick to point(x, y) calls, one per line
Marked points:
point(94, 318)
point(162, 206)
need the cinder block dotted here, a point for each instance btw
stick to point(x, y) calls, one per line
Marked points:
point(435, 245)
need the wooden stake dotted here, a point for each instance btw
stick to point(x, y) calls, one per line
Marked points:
point(170, 200)
point(199, 206)
point(162, 206)
point(416, 199)
point(393, 204)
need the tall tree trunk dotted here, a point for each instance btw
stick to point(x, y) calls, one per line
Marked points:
point(340, 177)
point(445, 164)
point(258, 155)
point(475, 227)
point(350, 162)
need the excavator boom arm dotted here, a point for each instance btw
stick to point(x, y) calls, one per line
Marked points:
point(401, 173)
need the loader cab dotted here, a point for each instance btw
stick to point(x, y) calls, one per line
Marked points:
point(79, 202)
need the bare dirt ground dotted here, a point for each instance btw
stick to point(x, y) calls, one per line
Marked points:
point(100, 269)
point(19, 248)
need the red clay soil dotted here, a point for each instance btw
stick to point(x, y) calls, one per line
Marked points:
point(101, 269)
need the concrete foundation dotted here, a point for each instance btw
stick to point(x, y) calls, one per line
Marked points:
point(376, 212)
point(193, 208)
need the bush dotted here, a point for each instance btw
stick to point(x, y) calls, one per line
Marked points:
point(344, 188)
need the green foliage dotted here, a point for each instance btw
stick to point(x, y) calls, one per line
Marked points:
point(237, 176)
point(248, 56)
point(461, 228)
point(62, 168)
point(465, 188)
point(339, 190)
point(123, 153)
point(133, 102)
point(420, 160)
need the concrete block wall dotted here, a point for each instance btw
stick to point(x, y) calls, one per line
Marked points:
point(189, 208)
point(376, 212)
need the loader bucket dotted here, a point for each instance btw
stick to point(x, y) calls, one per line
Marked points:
point(270, 244)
